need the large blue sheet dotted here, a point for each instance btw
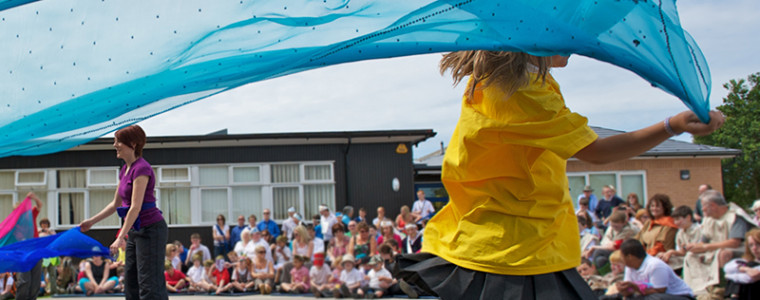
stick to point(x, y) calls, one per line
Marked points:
point(22, 256)
point(71, 71)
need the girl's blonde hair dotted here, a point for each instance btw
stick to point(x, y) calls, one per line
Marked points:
point(303, 234)
point(170, 248)
point(755, 235)
point(509, 70)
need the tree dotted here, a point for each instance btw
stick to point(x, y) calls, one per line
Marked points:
point(741, 174)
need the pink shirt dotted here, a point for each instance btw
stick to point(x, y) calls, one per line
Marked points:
point(300, 275)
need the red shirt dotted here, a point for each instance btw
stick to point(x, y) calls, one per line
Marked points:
point(223, 275)
point(172, 280)
point(35, 213)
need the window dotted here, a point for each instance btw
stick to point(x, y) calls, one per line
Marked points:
point(99, 199)
point(213, 203)
point(174, 174)
point(70, 208)
point(246, 174)
point(213, 176)
point(175, 204)
point(7, 180)
point(246, 200)
point(6, 204)
point(286, 173)
point(284, 198)
point(625, 182)
point(35, 177)
point(102, 177)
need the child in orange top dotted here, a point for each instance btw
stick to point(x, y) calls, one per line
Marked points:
point(510, 221)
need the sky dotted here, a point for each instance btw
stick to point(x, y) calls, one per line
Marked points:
point(410, 93)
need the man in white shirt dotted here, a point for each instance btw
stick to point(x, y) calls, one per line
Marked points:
point(648, 276)
point(326, 220)
point(422, 208)
point(289, 224)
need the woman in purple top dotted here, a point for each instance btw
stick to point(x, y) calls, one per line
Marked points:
point(135, 203)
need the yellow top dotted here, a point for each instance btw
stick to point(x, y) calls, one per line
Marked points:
point(509, 209)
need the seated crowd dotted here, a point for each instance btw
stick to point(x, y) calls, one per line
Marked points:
point(335, 255)
point(661, 252)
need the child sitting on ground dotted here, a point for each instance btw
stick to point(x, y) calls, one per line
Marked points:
point(319, 276)
point(379, 280)
point(176, 281)
point(616, 274)
point(242, 281)
point(282, 254)
point(196, 273)
point(299, 277)
point(220, 274)
point(350, 278)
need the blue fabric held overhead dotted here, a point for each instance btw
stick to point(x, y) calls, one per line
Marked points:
point(71, 71)
point(22, 256)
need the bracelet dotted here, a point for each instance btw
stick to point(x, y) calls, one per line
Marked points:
point(669, 129)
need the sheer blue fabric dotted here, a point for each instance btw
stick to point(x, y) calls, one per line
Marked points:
point(22, 256)
point(71, 71)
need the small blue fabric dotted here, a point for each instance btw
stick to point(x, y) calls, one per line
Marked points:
point(23, 256)
point(71, 71)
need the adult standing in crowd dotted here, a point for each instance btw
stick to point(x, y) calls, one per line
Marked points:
point(268, 224)
point(135, 202)
point(604, 206)
point(326, 220)
point(588, 193)
point(252, 221)
point(236, 231)
point(422, 209)
point(723, 229)
point(289, 224)
point(221, 234)
point(658, 235)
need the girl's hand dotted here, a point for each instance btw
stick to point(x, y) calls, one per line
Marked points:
point(687, 121)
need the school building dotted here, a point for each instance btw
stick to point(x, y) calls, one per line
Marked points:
point(200, 177)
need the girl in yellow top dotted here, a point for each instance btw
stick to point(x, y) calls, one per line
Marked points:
point(509, 229)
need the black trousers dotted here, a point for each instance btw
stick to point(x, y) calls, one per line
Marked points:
point(28, 283)
point(144, 263)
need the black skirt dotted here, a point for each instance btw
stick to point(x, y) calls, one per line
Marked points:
point(449, 281)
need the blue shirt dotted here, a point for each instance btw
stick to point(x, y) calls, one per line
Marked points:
point(271, 226)
point(235, 234)
point(345, 220)
point(318, 231)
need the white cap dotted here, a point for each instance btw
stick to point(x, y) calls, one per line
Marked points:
point(322, 207)
point(291, 209)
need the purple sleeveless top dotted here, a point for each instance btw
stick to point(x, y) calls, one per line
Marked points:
point(139, 168)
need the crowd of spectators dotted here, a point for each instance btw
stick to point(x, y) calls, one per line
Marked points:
point(334, 255)
point(656, 251)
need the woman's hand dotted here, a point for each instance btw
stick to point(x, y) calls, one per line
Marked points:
point(117, 244)
point(86, 225)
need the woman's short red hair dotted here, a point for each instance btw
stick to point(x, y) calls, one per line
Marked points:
point(132, 135)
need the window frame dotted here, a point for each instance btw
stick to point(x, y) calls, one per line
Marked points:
point(44, 178)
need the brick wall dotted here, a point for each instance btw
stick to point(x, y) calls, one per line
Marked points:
point(663, 175)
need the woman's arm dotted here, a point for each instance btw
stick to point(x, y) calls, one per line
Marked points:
point(350, 248)
point(373, 246)
point(139, 185)
point(37, 201)
point(630, 144)
point(226, 231)
point(311, 249)
point(215, 233)
point(88, 272)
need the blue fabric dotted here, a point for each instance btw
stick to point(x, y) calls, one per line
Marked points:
point(71, 71)
point(22, 256)
point(123, 210)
